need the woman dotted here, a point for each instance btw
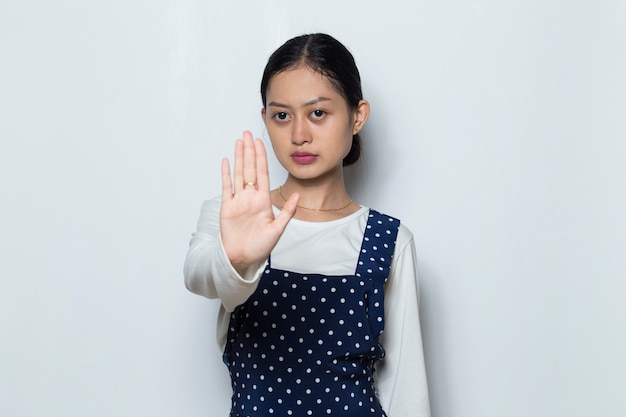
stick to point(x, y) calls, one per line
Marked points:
point(319, 312)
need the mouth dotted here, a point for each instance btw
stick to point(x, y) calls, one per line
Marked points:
point(303, 158)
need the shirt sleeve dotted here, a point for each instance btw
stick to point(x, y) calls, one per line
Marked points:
point(208, 271)
point(401, 375)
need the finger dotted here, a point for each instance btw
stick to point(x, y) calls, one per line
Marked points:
point(227, 186)
point(249, 159)
point(238, 176)
point(262, 172)
point(289, 209)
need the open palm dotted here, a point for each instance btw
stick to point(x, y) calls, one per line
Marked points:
point(248, 227)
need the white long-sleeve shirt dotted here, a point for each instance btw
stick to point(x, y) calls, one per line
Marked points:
point(401, 376)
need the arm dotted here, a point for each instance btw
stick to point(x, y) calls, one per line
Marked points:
point(234, 240)
point(401, 376)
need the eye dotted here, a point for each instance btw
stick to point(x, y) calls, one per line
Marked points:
point(318, 114)
point(281, 116)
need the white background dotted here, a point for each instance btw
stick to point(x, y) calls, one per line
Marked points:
point(497, 134)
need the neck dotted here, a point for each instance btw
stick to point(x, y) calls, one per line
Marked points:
point(317, 195)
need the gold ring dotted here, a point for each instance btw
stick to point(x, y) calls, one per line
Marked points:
point(252, 184)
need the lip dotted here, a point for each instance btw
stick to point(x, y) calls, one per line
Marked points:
point(303, 158)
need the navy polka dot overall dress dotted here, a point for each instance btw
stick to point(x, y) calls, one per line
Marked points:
point(306, 344)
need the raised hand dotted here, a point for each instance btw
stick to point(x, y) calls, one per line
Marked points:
point(248, 227)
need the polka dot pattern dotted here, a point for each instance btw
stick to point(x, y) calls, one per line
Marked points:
point(306, 345)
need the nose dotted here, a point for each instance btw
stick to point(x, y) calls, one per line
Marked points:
point(300, 133)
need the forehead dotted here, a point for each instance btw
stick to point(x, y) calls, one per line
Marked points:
point(300, 84)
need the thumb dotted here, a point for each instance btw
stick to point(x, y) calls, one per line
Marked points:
point(286, 214)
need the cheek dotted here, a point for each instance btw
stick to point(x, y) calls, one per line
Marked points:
point(347, 147)
point(348, 135)
point(277, 135)
point(345, 143)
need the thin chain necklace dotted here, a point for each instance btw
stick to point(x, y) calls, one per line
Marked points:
point(280, 192)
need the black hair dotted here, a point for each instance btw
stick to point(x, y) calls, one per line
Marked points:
point(329, 57)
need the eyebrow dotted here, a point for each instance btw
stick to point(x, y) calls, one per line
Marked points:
point(308, 103)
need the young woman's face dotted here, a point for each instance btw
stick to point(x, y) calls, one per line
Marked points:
point(310, 124)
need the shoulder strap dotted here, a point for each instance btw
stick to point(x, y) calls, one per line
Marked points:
point(379, 242)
